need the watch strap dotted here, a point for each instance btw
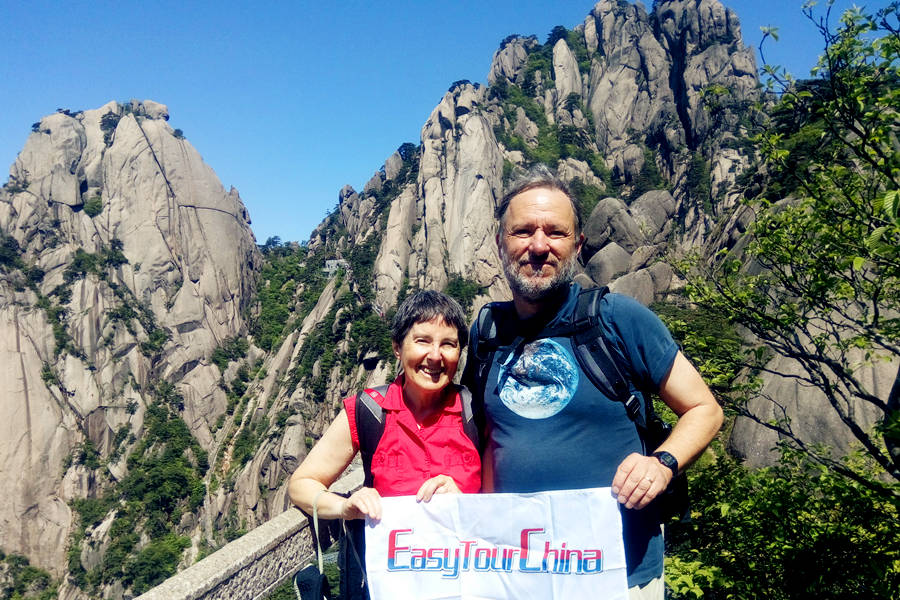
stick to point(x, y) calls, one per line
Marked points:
point(667, 460)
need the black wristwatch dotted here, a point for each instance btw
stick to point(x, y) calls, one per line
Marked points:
point(667, 460)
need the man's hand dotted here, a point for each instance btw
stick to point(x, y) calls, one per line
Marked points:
point(640, 479)
point(439, 484)
point(365, 502)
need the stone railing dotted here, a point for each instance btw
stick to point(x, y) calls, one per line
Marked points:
point(252, 566)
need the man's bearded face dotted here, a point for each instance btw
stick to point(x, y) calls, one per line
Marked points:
point(538, 245)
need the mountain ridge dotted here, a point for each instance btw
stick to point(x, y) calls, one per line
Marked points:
point(139, 313)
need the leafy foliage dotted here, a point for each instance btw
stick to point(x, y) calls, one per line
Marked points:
point(10, 252)
point(812, 532)
point(231, 349)
point(164, 480)
point(361, 258)
point(794, 530)
point(108, 124)
point(93, 207)
point(369, 331)
point(20, 580)
point(463, 291)
point(286, 270)
point(588, 196)
point(697, 183)
point(156, 562)
point(86, 262)
point(823, 287)
point(648, 178)
point(707, 339)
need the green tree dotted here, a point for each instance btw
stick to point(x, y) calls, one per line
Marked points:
point(19, 579)
point(811, 531)
point(93, 207)
point(463, 291)
point(793, 530)
point(819, 283)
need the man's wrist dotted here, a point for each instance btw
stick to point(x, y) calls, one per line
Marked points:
point(667, 460)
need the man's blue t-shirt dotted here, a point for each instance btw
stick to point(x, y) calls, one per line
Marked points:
point(552, 429)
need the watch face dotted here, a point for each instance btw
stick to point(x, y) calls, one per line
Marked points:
point(668, 460)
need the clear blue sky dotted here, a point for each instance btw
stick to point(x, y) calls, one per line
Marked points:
point(289, 101)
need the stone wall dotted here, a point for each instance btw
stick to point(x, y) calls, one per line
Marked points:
point(253, 565)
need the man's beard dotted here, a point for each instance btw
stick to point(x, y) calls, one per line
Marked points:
point(538, 288)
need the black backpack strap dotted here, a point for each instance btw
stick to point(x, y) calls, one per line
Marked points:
point(369, 426)
point(470, 427)
point(596, 359)
point(487, 328)
point(484, 344)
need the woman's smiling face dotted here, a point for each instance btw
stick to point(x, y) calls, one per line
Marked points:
point(429, 355)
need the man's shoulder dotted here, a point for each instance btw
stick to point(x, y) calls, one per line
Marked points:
point(493, 321)
point(494, 310)
point(615, 307)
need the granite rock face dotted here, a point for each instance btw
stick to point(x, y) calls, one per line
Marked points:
point(621, 84)
point(626, 244)
point(135, 264)
point(147, 265)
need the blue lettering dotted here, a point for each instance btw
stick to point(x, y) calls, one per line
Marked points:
point(523, 543)
point(453, 568)
point(417, 562)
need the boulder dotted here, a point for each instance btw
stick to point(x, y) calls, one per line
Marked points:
point(611, 260)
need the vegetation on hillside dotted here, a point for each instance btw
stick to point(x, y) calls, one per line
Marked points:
point(164, 482)
point(555, 141)
point(19, 580)
point(291, 281)
point(822, 291)
point(812, 532)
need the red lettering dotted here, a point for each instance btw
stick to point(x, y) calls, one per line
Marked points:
point(523, 543)
point(393, 548)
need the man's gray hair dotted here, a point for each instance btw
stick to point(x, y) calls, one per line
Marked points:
point(537, 176)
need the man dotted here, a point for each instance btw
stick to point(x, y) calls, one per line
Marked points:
point(548, 427)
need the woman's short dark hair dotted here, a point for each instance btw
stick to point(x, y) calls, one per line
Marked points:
point(425, 305)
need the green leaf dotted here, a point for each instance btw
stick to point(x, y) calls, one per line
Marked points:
point(770, 31)
point(874, 237)
point(890, 204)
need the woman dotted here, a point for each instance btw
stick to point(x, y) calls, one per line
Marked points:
point(424, 450)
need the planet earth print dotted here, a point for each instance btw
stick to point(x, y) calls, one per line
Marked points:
point(541, 382)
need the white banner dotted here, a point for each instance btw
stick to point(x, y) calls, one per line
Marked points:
point(565, 544)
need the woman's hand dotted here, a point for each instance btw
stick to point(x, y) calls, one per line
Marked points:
point(365, 502)
point(439, 484)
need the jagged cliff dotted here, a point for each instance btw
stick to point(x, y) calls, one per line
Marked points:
point(142, 327)
point(127, 263)
point(620, 96)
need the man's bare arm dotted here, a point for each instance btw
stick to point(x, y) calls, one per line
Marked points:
point(640, 479)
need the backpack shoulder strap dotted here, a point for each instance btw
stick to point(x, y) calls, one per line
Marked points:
point(470, 427)
point(483, 345)
point(486, 327)
point(594, 356)
point(369, 426)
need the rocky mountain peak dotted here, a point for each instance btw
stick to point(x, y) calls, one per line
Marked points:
point(510, 58)
point(128, 279)
point(131, 264)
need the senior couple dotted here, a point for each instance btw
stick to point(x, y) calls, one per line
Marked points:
point(425, 449)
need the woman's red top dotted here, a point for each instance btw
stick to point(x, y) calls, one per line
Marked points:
point(407, 454)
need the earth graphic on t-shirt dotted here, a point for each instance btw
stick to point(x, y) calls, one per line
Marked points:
point(541, 381)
